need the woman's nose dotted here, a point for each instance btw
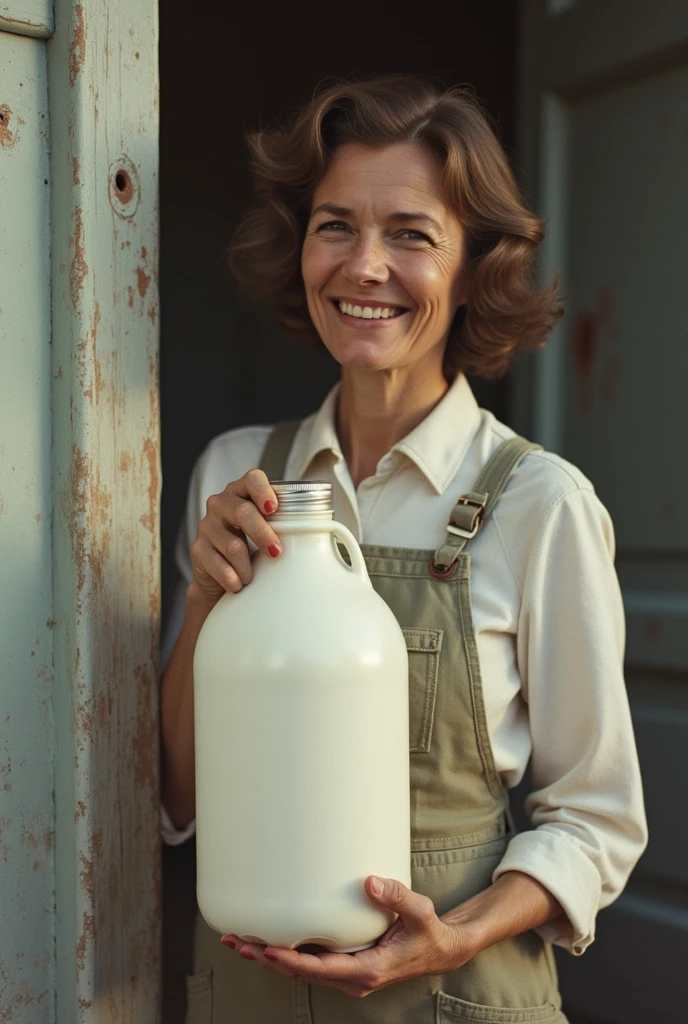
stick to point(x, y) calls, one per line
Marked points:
point(366, 261)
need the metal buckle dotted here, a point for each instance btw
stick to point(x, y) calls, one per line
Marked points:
point(458, 531)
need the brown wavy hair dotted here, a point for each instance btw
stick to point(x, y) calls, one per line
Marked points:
point(506, 312)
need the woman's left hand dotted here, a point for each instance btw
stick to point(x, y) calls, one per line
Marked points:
point(418, 943)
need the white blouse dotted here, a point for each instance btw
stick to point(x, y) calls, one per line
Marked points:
point(548, 619)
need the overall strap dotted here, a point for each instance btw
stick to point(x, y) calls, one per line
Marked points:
point(274, 460)
point(473, 508)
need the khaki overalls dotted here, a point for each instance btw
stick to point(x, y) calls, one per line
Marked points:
point(459, 808)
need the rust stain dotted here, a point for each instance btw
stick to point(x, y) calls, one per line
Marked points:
point(75, 170)
point(144, 252)
point(102, 709)
point(150, 452)
point(7, 136)
point(585, 349)
point(23, 1000)
point(125, 462)
point(90, 344)
point(153, 314)
point(86, 876)
point(59, 375)
point(142, 281)
point(88, 934)
point(38, 517)
point(145, 752)
point(595, 348)
point(5, 824)
point(77, 47)
point(78, 268)
point(80, 811)
point(88, 509)
point(130, 291)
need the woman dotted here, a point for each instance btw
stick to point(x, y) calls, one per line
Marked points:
point(388, 227)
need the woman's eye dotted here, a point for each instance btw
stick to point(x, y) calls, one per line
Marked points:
point(332, 224)
point(418, 234)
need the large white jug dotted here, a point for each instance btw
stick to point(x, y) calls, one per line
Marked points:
point(302, 748)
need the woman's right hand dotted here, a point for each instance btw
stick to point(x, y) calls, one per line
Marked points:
point(220, 555)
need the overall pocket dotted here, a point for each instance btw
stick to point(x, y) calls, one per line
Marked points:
point(452, 1010)
point(199, 998)
point(423, 646)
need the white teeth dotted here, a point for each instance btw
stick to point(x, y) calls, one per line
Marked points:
point(368, 312)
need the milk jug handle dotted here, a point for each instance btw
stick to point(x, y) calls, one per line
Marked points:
point(340, 532)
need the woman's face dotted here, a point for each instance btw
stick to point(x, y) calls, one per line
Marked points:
point(381, 236)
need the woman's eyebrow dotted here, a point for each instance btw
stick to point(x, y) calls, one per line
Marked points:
point(344, 211)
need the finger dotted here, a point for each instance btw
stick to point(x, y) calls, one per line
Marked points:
point(257, 953)
point(242, 514)
point(207, 563)
point(256, 486)
point(416, 910)
point(232, 547)
point(324, 968)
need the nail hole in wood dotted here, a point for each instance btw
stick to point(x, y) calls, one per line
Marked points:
point(123, 185)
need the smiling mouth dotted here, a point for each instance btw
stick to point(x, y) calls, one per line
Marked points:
point(356, 312)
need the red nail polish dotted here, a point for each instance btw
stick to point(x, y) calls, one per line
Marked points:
point(274, 550)
point(269, 956)
point(247, 956)
point(228, 942)
point(269, 506)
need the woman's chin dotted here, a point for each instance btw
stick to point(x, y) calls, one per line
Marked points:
point(362, 356)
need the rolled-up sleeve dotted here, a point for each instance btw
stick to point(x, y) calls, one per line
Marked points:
point(586, 805)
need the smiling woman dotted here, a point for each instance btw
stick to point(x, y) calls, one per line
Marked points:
point(388, 228)
point(399, 122)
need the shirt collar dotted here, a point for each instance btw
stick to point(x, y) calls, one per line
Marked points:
point(437, 445)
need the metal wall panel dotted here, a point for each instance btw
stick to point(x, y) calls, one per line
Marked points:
point(27, 17)
point(27, 894)
point(102, 73)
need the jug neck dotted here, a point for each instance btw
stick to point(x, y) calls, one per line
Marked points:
point(300, 522)
point(302, 501)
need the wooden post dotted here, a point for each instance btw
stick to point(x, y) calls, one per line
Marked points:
point(103, 95)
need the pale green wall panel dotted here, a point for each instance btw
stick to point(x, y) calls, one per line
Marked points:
point(27, 897)
point(27, 17)
point(102, 72)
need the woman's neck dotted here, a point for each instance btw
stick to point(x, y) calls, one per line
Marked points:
point(378, 408)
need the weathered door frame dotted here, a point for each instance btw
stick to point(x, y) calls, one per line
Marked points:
point(103, 110)
point(103, 91)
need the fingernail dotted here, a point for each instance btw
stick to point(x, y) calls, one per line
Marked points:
point(274, 550)
point(228, 942)
point(247, 956)
point(377, 885)
point(269, 506)
point(269, 956)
